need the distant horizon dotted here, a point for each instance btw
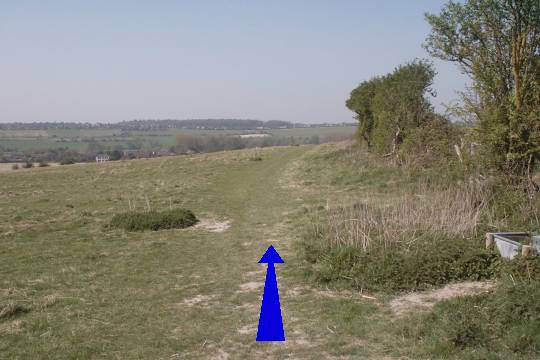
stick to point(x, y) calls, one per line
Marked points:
point(352, 122)
point(107, 62)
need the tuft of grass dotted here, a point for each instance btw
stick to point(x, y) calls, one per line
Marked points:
point(11, 309)
point(154, 220)
point(376, 222)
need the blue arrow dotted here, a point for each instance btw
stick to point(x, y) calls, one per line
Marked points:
point(270, 321)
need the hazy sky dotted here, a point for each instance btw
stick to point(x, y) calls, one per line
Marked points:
point(113, 60)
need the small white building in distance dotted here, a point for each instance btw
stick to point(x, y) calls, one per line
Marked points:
point(102, 158)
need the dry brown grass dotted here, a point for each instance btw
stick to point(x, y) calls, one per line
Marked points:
point(453, 212)
point(11, 309)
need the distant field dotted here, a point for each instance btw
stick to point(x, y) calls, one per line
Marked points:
point(16, 134)
point(28, 140)
point(83, 132)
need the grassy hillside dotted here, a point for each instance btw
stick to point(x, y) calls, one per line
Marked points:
point(72, 287)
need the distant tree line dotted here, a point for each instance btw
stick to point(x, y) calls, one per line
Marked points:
point(193, 143)
point(145, 125)
point(185, 143)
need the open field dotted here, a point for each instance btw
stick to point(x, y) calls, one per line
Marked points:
point(77, 289)
point(79, 139)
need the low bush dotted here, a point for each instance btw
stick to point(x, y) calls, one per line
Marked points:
point(67, 161)
point(509, 208)
point(43, 164)
point(28, 165)
point(418, 265)
point(431, 144)
point(504, 322)
point(154, 220)
point(523, 270)
point(15, 167)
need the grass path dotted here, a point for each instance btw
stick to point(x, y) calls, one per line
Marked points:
point(88, 292)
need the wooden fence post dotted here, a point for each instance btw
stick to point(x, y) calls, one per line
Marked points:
point(489, 240)
point(526, 251)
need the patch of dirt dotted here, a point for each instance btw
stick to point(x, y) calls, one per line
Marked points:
point(250, 286)
point(220, 355)
point(295, 291)
point(344, 294)
point(213, 225)
point(255, 273)
point(248, 308)
point(427, 299)
point(248, 329)
point(200, 300)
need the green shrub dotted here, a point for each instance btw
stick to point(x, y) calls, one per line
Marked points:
point(431, 144)
point(421, 264)
point(520, 269)
point(154, 220)
point(28, 165)
point(504, 322)
point(15, 167)
point(510, 208)
point(43, 164)
point(67, 161)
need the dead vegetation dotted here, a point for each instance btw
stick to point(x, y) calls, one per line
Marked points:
point(454, 211)
point(11, 309)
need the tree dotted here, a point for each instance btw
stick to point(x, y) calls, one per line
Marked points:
point(497, 43)
point(360, 102)
point(389, 107)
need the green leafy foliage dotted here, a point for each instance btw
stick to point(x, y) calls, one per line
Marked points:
point(67, 161)
point(431, 144)
point(154, 220)
point(506, 321)
point(406, 266)
point(496, 43)
point(389, 107)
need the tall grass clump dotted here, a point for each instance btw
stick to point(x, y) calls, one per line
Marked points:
point(154, 220)
point(408, 241)
point(373, 221)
